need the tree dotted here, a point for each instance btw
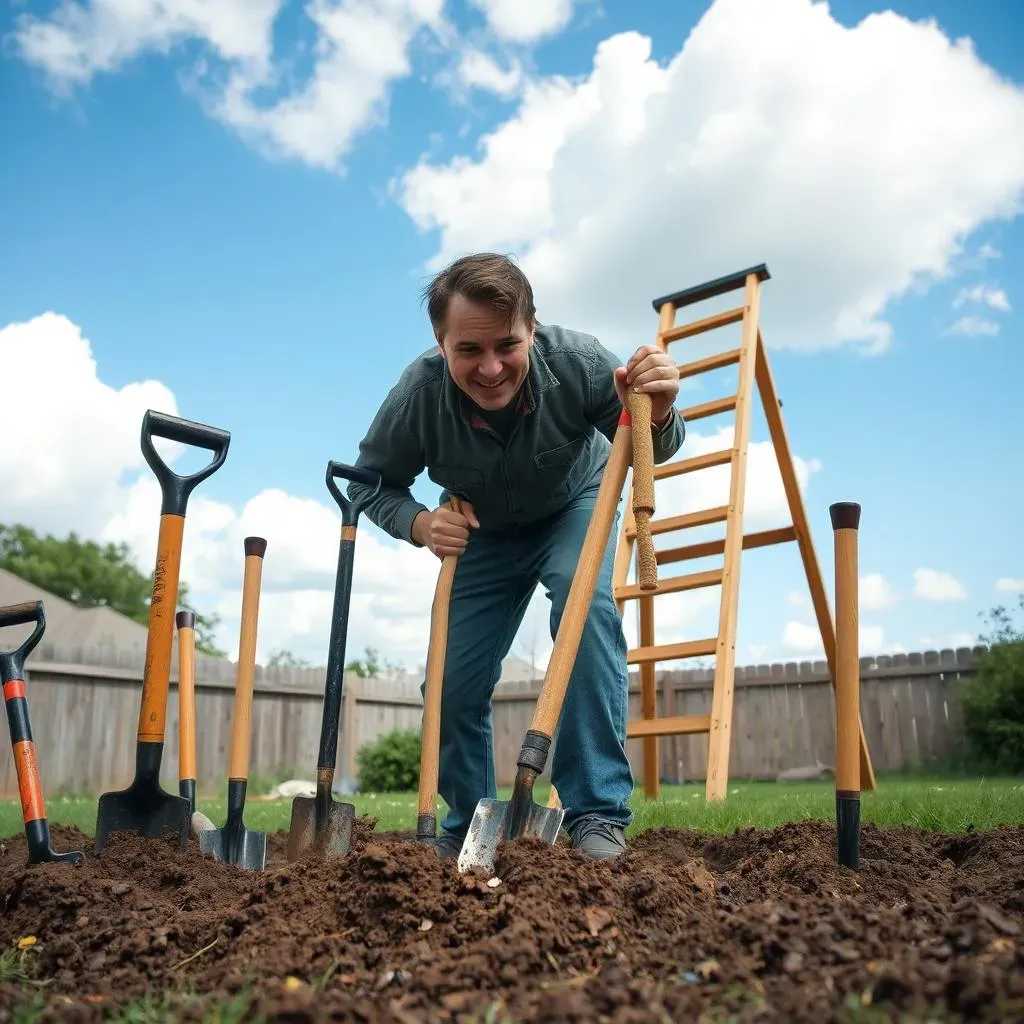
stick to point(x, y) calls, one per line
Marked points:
point(370, 666)
point(283, 658)
point(91, 575)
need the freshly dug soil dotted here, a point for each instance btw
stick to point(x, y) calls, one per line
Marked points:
point(755, 926)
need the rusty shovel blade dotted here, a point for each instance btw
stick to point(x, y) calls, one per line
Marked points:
point(320, 826)
point(491, 826)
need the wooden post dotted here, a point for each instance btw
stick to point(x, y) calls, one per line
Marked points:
point(845, 524)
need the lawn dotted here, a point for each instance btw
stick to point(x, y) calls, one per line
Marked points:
point(945, 804)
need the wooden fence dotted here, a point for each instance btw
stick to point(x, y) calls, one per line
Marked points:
point(84, 706)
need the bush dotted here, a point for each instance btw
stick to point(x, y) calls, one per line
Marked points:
point(993, 702)
point(391, 764)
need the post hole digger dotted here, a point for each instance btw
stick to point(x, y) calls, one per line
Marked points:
point(234, 843)
point(320, 825)
point(495, 821)
point(145, 807)
point(30, 786)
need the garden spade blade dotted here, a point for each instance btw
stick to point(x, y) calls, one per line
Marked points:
point(495, 821)
point(320, 825)
point(144, 807)
point(234, 843)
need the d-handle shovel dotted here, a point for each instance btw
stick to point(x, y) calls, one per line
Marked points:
point(497, 820)
point(144, 807)
point(430, 740)
point(234, 843)
point(320, 825)
point(30, 786)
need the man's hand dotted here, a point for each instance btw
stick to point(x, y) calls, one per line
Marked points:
point(652, 371)
point(445, 531)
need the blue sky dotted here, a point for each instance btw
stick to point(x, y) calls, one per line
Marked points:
point(275, 291)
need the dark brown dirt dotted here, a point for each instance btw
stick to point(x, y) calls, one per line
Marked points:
point(755, 926)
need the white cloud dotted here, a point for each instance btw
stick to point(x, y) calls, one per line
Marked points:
point(996, 298)
point(478, 70)
point(933, 585)
point(361, 48)
point(804, 639)
point(852, 187)
point(525, 21)
point(875, 593)
point(974, 326)
point(799, 636)
point(1009, 585)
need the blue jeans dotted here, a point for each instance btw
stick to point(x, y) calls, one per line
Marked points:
point(494, 580)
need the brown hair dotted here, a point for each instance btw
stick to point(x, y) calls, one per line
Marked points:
point(484, 277)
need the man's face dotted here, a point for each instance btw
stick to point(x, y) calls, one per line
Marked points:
point(488, 359)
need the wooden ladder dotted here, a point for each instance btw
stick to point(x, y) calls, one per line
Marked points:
point(753, 366)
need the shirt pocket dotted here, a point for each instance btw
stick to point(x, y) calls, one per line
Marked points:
point(460, 481)
point(555, 465)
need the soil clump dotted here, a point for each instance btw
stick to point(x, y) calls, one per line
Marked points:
point(759, 925)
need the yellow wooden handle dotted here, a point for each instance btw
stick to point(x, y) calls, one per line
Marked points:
point(430, 745)
point(186, 696)
point(639, 406)
point(241, 730)
point(581, 592)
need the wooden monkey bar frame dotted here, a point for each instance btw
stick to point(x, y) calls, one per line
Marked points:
point(753, 367)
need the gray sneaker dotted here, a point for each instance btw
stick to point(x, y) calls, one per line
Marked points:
point(448, 845)
point(598, 838)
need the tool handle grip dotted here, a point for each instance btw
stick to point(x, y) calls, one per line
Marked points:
point(174, 487)
point(351, 507)
point(581, 591)
point(241, 730)
point(186, 623)
point(436, 652)
point(639, 406)
point(26, 763)
point(12, 663)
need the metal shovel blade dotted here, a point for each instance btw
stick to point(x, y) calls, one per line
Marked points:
point(490, 826)
point(144, 808)
point(236, 844)
point(327, 835)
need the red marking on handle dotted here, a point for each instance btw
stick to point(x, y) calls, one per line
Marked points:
point(625, 420)
point(14, 688)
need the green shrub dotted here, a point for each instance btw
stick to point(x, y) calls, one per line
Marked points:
point(391, 764)
point(993, 701)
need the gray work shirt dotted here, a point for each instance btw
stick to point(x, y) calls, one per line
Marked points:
point(556, 447)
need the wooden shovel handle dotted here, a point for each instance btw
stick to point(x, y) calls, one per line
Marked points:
point(186, 621)
point(639, 405)
point(241, 729)
point(431, 736)
point(581, 592)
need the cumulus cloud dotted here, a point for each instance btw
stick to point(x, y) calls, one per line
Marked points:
point(804, 639)
point(933, 585)
point(1008, 584)
point(525, 21)
point(644, 177)
point(875, 593)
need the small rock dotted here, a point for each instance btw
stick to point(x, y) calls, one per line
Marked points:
point(82, 921)
point(792, 961)
point(119, 888)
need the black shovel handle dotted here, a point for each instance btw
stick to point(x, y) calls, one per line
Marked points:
point(334, 685)
point(351, 507)
point(12, 663)
point(174, 487)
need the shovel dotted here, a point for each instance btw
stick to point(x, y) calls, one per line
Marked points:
point(495, 821)
point(234, 843)
point(144, 807)
point(426, 819)
point(186, 623)
point(30, 786)
point(320, 825)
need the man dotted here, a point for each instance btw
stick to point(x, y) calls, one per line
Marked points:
point(515, 418)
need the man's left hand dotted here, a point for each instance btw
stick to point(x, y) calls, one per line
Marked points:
point(652, 371)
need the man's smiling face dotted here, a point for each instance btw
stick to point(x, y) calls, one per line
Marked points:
point(487, 357)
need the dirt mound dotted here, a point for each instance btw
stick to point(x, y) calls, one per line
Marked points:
point(755, 926)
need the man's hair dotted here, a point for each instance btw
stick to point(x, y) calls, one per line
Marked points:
point(483, 277)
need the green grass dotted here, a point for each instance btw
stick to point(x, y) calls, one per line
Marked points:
point(948, 804)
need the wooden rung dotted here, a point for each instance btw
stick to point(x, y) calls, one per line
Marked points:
point(673, 585)
point(712, 408)
point(709, 323)
point(705, 517)
point(670, 652)
point(708, 363)
point(674, 725)
point(717, 547)
point(667, 469)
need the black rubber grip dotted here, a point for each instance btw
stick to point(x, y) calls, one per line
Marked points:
point(20, 614)
point(709, 289)
point(173, 428)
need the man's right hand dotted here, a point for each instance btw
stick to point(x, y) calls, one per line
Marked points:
point(445, 531)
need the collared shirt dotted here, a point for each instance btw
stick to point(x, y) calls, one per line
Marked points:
point(557, 446)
